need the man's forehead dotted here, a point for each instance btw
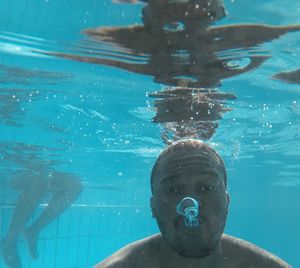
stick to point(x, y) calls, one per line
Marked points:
point(190, 165)
point(197, 158)
point(205, 175)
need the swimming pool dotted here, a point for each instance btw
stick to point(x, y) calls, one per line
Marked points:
point(78, 107)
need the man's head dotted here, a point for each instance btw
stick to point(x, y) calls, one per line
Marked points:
point(190, 168)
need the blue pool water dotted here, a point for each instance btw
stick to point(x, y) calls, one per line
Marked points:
point(63, 115)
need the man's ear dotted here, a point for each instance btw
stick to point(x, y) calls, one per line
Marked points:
point(228, 197)
point(152, 205)
point(228, 201)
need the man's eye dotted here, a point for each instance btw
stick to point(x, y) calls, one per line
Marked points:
point(205, 188)
point(172, 190)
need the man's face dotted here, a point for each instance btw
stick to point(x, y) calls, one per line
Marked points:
point(198, 177)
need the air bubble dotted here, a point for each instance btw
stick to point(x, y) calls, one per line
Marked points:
point(174, 26)
point(238, 64)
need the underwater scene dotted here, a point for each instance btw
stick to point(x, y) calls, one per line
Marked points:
point(103, 103)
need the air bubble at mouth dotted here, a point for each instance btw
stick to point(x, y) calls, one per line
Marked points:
point(188, 207)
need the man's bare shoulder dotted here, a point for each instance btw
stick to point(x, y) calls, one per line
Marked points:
point(238, 253)
point(241, 253)
point(138, 253)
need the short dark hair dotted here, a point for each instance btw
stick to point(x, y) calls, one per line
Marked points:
point(188, 146)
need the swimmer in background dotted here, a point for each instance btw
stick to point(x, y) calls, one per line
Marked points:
point(33, 188)
point(190, 170)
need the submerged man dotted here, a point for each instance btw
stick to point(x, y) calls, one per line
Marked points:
point(190, 204)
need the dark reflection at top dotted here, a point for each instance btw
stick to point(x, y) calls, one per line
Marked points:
point(189, 112)
point(178, 47)
point(182, 15)
point(292, 77)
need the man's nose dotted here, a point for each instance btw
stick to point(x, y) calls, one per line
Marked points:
point(190, 190)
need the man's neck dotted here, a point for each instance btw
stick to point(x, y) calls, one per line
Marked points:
point(213, 260)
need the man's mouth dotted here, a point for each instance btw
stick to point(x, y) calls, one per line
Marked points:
point(181, 225)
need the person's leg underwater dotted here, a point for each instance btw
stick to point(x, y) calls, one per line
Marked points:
point(65, 191)
point(32, 190)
